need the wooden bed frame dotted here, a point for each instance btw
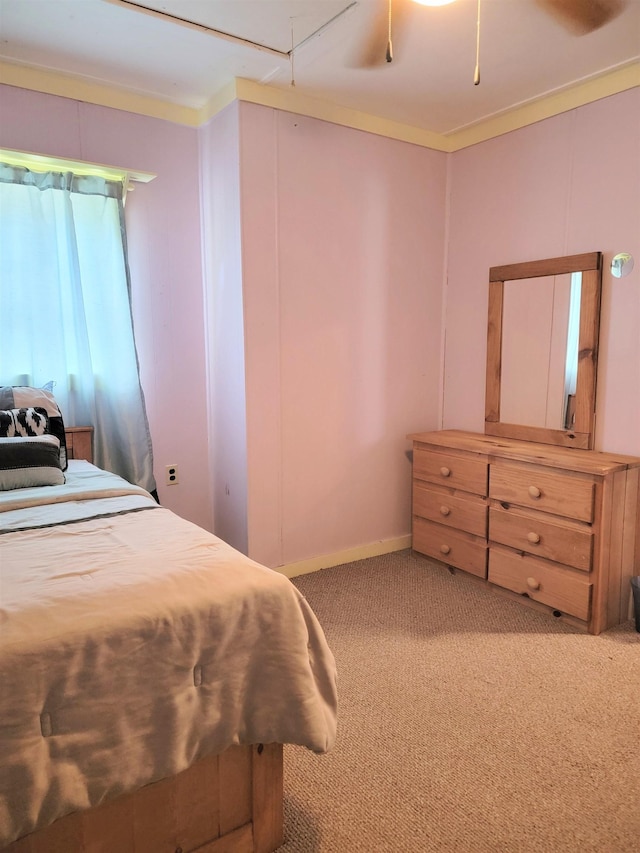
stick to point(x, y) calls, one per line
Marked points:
point(227, 803)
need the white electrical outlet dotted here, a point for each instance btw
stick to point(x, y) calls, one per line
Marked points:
point(171, 475)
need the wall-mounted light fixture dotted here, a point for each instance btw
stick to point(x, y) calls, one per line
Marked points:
point(621, 265)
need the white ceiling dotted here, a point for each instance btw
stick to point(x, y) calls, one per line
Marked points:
point(524, 53)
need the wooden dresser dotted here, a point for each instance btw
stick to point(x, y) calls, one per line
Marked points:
point(557, 527)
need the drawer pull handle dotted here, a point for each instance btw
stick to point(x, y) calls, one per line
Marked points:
point(534, 538)
point(444, 510)
point(445, 549)
point(534, 492)
point(532, 583)
point(446, 472)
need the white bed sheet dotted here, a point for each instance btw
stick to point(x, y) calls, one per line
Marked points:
point(134, 643)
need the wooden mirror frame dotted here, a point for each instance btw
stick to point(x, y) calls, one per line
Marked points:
point(582, 435)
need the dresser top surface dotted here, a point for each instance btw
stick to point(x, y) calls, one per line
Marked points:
point(586, 461)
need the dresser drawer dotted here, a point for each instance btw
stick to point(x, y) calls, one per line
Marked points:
point(450, 546)
point(456, 472)
point(465, 512)
point(561, 494)
point(534, 533)
point(563, 589)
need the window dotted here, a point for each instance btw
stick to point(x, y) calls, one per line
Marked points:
point(65, 313)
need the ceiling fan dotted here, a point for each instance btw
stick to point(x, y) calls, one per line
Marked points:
point(392, 19)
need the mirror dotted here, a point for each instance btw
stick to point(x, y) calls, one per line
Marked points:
point(540, 329)
point(542, 350)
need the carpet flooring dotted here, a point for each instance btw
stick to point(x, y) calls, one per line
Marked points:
point(468, 723)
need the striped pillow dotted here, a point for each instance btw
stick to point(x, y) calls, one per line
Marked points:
point(32, 461)
point(24, 396)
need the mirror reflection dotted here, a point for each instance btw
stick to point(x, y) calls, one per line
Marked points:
point(540, 342)
point(549, 313)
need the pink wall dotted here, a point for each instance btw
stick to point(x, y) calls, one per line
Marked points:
point(343, 242)
point(221, 227)
point(566, 185)
point(319, 325)
point(163, 221)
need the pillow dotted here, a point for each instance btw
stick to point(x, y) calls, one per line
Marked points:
point(32, 461)
point(24, 422)
point(23, 396)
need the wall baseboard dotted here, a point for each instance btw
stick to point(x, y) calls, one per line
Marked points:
point(327, 561)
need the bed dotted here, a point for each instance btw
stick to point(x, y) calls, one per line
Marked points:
point(149, 675)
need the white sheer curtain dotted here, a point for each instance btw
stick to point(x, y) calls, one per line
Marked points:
point(65, 310)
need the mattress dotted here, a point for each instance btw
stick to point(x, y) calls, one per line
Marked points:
point(133, 643)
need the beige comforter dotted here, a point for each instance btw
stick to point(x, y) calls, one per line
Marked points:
point(133, 643)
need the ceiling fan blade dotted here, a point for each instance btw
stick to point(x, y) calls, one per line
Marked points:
point(583, 16)
point(373, 49)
